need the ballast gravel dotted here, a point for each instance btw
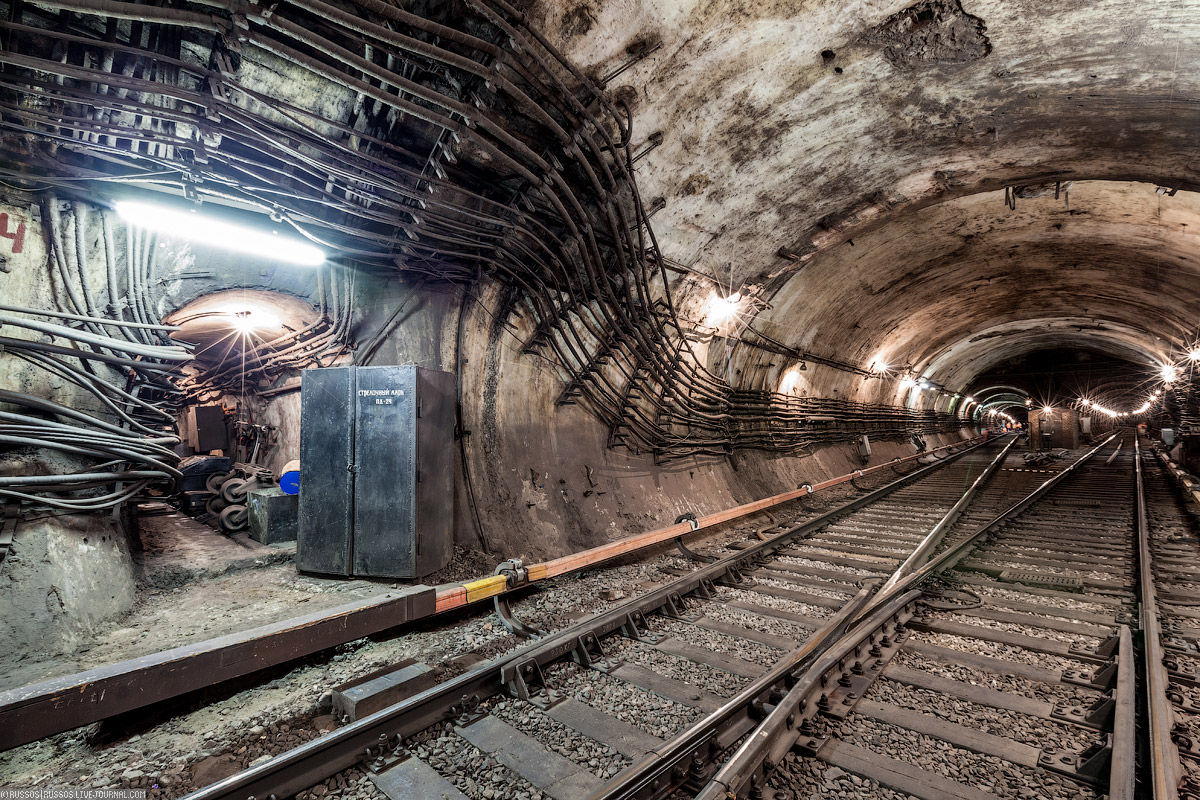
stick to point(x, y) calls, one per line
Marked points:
point(777, 603)
point(476, 774)
point(1027, 630)
point(759, 622)
point(596, 757)
point(701, 676)
point(754, 652)
point(655, 715)
point(1014, 684)
point(1004, 651)
point(1033, 731)
point(983, 772)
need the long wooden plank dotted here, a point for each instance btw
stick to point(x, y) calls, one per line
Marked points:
point(33, 712)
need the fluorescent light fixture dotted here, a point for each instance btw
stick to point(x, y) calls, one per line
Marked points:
point(203, 229)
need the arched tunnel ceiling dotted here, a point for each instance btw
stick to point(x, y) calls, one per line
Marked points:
point(852, 161)
point(844, 165)
point(770, 144)
point(953, 288)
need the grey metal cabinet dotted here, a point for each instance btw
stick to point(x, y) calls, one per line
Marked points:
point(376, 471)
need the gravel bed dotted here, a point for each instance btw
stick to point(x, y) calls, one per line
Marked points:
point(864, 539)
point(810, 779)
point(998, 650)
point(1027, 630)
point(806, 562)
point(655, 715)
point(735, 616)
point(476, 774)
point(771, 601)
point(1191, 770)
point(596, 757)
point(1059, 601)
point(832, 549)
point(755, 652)
point(997, 560)
point(1190, 692)
point(832, 593)
point(701, 676)
point(1028, 730)
point(987, 773)
point(1013, 684)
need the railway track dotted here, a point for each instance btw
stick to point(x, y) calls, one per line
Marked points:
point(933, 638)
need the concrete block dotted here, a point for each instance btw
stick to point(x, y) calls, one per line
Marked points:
point(273, 515)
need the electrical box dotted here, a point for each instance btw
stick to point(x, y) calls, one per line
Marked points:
point(376, 471)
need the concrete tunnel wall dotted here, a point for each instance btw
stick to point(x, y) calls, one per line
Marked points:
point(529, 459)
point(845, 168)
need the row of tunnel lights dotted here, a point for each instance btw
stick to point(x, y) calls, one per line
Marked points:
point(1168, 374)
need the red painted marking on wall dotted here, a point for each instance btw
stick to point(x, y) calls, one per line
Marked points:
point(17, 236)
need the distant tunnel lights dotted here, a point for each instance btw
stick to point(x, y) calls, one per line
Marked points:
point(203, 229)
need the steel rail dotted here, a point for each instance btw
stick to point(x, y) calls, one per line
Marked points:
point(951, 557)
point(32, 712)
point(772, 739)
point(384, 731)
point(726, 724)
point(936, 534)
point(1164, 769)
point(754, 758)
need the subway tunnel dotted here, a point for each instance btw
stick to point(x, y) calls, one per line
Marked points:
point(502, 285)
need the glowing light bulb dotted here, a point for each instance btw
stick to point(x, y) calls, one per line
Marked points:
point(1169, 373)
point(1047, 409)
point(1195, 354)
point(722, 309)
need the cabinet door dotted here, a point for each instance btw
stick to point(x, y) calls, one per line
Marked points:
point(435, 470)
point(385, 472)
point(323, 535)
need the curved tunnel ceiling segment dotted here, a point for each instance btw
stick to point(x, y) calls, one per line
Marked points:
point(820, 119)
point(951, 289)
